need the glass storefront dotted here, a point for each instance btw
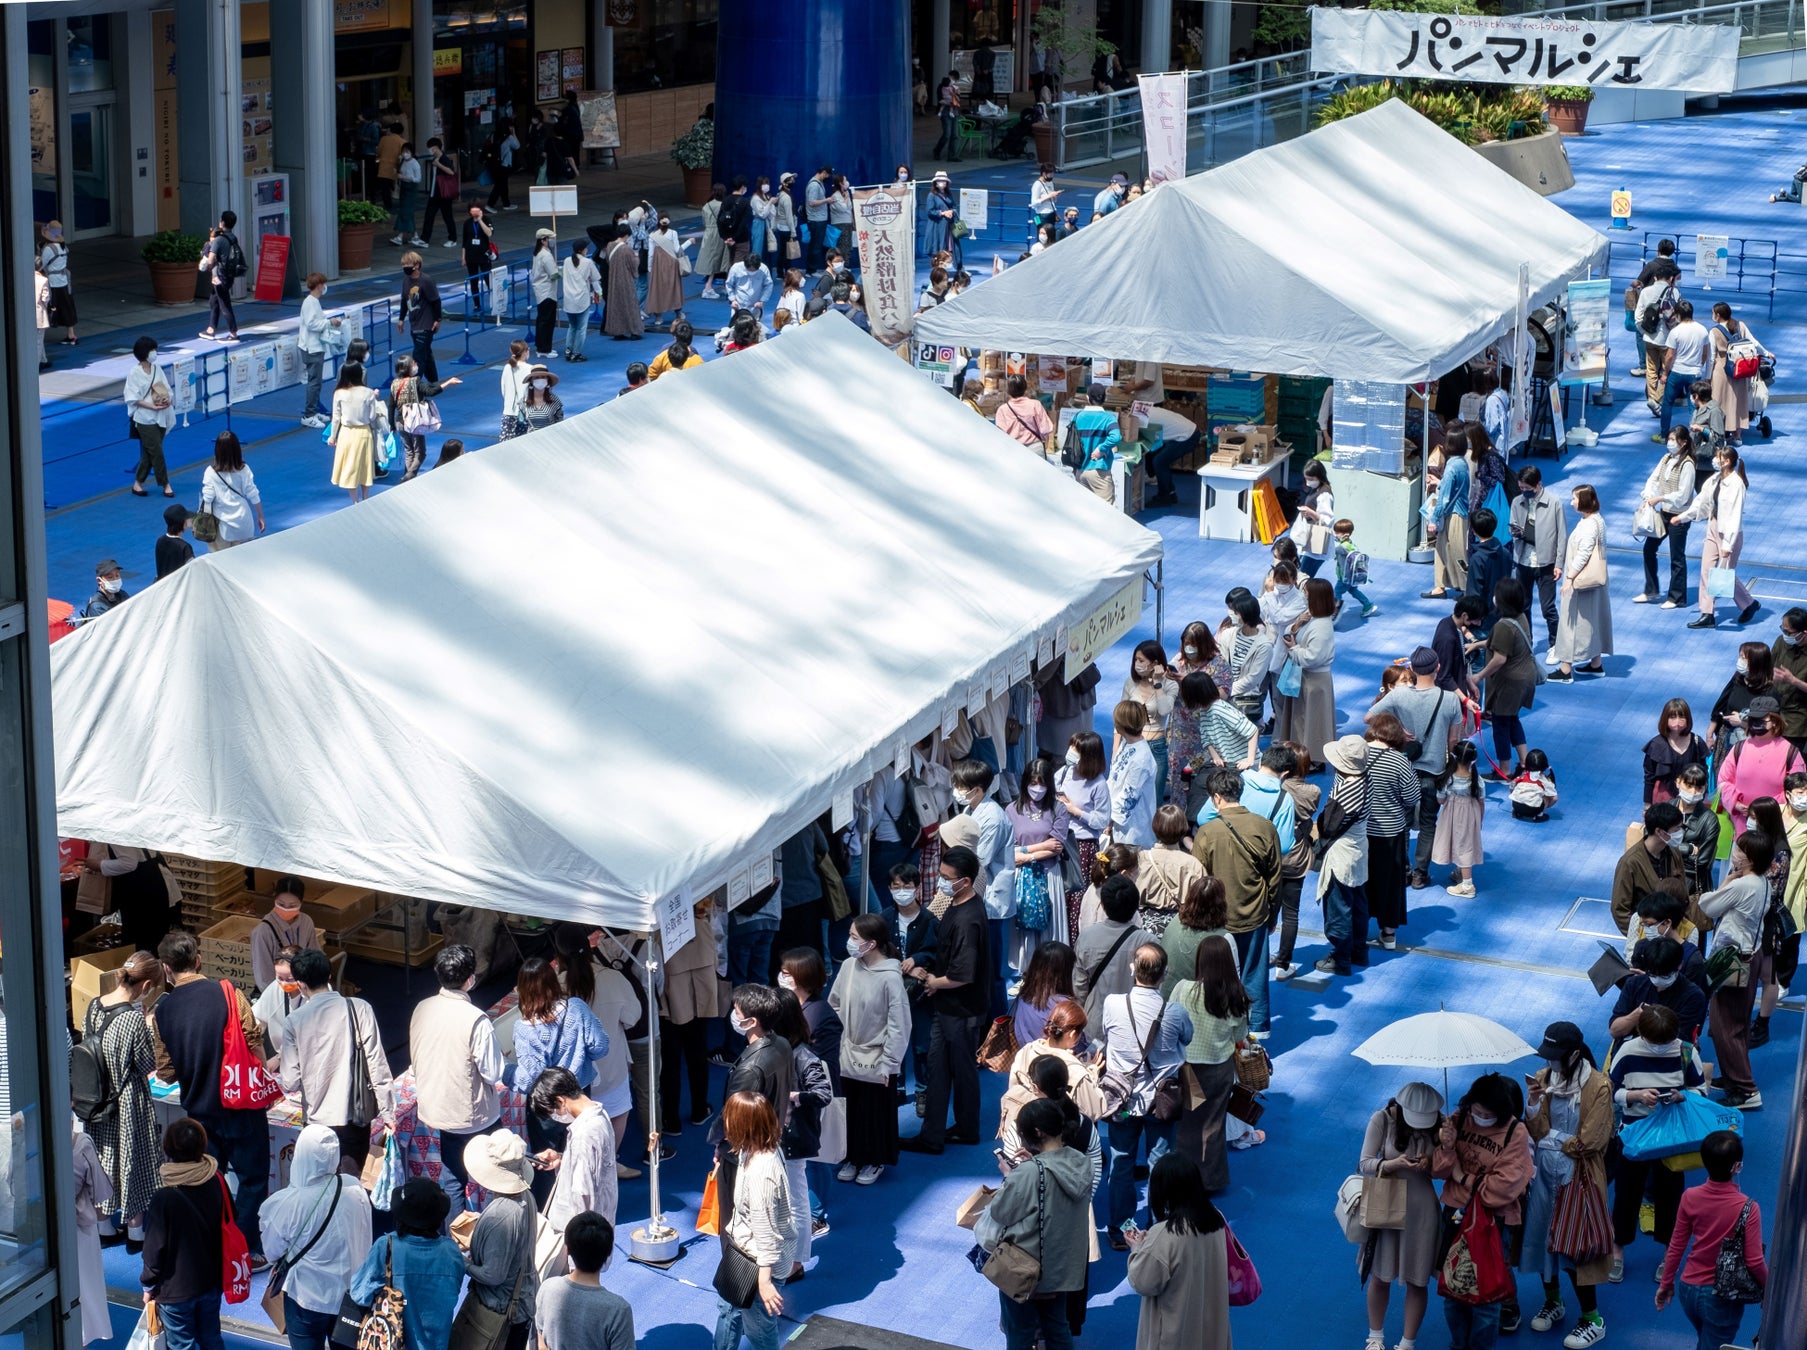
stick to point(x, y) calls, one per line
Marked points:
point(668, 43)
point(482, 68)
point(73, 133)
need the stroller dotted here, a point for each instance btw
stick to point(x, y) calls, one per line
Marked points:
point(1759, 395)
point(1014, 143)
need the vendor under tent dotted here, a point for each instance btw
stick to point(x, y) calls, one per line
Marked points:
point(604, 666)
point(1376, 248)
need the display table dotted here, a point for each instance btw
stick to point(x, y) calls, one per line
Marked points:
point(285, 1126)
point(1226, 498)
point(420, 1143)
point(1383, 508)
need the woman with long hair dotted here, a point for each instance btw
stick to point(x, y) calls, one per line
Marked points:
point(229, 491)
point(1247, 642)
point(358, 419)
point(761, 1227)
point(1082, 787)
point(1150, 683)
point(1039, 824)
point(869, 997)
point(1668, 490)
point(1584, 632)
point(1199, 655)
point(1180, 1266)
point(1218, 1005)
point(1046, 983)
point(664, 273)
point(618, 1008)
point(1309, 716)
point(1204, 912)
point(1720, 503)
point(553, 1030)
point(410, 389)
point(1398, 1145)
point(1672, 749)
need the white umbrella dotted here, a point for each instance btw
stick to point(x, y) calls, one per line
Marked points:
point(1443, 1040)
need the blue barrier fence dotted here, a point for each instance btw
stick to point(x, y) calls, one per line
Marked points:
point(1750, 266)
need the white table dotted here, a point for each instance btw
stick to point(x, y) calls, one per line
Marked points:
point(1226, 498)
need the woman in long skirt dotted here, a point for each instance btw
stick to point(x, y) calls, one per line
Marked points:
point(712, 256)
point(665, 279)
point(869, 998)
point(1584, 628)
point(1733, 395)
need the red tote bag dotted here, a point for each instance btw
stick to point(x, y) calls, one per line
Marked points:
point(244, 1086)
point(1475, 1271)
point(235, 1254)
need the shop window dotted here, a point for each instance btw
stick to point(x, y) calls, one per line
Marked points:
point(671, 43)
point(90, 48)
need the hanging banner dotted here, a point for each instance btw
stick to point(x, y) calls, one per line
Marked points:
point(1164, 124)
point(1584, 344)
point(1711, 256)
point(1519, 49)
point(1103, 626)
point(1518, 428)
point(886, 222)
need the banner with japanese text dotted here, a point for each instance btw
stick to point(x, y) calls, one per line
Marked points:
point(1523, 49)
point(1164, 124)
point(886, 221)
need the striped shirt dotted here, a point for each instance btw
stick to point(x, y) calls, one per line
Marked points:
point(1226, 730)
point(1639, 1064)
point(1393, 791)
point(1351, 793)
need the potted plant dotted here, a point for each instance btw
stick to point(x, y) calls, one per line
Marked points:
point(694, 152)
point(357, 230)
point(174, 260)
point(1567, 105)
point(1070, 44)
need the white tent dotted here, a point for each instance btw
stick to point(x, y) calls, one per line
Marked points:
point(1376, 248)
point(607, 664)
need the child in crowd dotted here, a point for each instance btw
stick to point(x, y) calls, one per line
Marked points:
point(1458, 840)
point(1351, 568)
point(1534, 790)
point(449, 451)
point(1709, 1214)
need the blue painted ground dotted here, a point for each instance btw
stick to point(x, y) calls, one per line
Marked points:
point(894, 1257)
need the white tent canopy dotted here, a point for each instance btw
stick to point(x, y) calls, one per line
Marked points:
point(610, 663)
point(1375, 248)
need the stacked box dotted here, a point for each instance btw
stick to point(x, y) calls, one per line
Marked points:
point(338, 908)
point(204, 885)
point(1234, 400)
point(226, 952)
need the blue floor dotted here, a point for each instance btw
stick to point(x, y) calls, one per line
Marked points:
point(895, 1257)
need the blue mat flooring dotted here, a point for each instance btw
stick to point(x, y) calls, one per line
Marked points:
point(1515, 952)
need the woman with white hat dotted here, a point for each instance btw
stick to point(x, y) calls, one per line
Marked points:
point(940, 212)
point(499, 1259)
point(53, 262)
point(1343, 870)
point(1396, 1154)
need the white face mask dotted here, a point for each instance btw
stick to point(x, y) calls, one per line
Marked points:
point(1744, 667)
point(111, 585)
point(1797, 802)
point(1037, 792)
point(944, 887)
point(1143, 670)
point(740, 1024)
point(563, 1117)
point(1072, 759)
point(786, 982)
point(856, 947)
point(903, 899)
point(1691, 798)
point(1662, 981)
point(1191, 653)
point(1282, 590)
point(1481, 1118)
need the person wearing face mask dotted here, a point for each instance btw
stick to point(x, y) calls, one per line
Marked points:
point(459, 1072)
point(1038, 824)
point(1698, 838)
point(1788, 658)
point(1134, 778)
point(1651, 864)
point(764, 1066)
point(1721, 505)
point(126, 1136)
point(1661, 914)
point(874, 1010)
point(1706, 1218)
point(586, 1167)
point(665, 273)
point(540, 407)
point(551, 1031)
point(1794, 813)
point(1672, 749)
point(1150, 683)
point(1539, 533)
point(915, 936)
point(1656, 980)
point(1654, 1065)
point(310, 339)
point(284, 926)
point(420, 312)
point(1737, 909)
point(1757, 765)
point(1082, 788)
point(1668, 490)
point(408, 175)
point(280, 1000)
point(109, 590)
point(1776, 956)
point(972, 782)
point(1752, 678)
point(1483, 1155)
point(960, 1000)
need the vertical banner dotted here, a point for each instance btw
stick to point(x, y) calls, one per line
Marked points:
point(1711, 253)
point(886, 222)
point(1518, 429)
point(1584, 344)
point(1164, 124)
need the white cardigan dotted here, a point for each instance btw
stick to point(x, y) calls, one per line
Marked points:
point(1721, 501)
point(514, 386)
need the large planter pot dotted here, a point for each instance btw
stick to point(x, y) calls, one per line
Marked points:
point(1568, 115)
point(354, 247)
point(1539, 162)
point(173, 283)
point(697, 183)
point(1044, 141)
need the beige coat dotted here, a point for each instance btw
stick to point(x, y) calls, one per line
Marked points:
point(1162, 874)
point(691, 985)
point(1587, 1148)
point(1082, 1083)
point(1185, 1287)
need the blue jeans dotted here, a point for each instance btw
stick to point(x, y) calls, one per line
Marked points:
point(1043, 1319)
point(1675, 391)
point(1472, 1328)
point(423, 357)
point(307, 1330)
point(754, 1322)
point(194, 1324)
point(577, 330)
point(998, 931)
point(818, 1174)
point(1345, 588)
point(1124, 1135)
point(749, 957)
point(1713, 1318)
point(240, 1143)
point(1345, 924)
point(1251, 955)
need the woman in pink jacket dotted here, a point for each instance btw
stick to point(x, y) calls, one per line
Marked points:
point(1758, 764)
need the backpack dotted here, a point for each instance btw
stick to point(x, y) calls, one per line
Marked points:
point(1355, 567)
point(92, 1092)
point(625, 968)
point(1072, 448)
point(232, 265)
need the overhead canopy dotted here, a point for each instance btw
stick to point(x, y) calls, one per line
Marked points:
point(1375, 248)
point(611, 662)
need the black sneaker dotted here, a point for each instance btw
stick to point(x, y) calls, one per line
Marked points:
point(1510, 1316)
point(1759, 1034)
point(1418, 879)
point(914, 1144)
point(1749, 612)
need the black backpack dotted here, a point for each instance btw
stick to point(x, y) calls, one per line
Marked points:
point(92, 1092)
point(232, 266)
point(1072, 448)
point(625, 968)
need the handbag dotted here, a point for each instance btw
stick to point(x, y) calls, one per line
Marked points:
point(1722, 582)
point(1244, 1104)
point(1732, 1278)
point(833, 1148)
point(479, 1326)
point(381, 1325)
point(1726, 968)
point(93, 893)
point(1579, 1226)
point(1592, 575)
point(1348, 1207)
point(390, 1177)
point(1033, 908)
point(792, 250)
point(1116, 1088)
point(206, 526)
point(235, 1252)
point(361, 1108)
point(709, 1212)
point(1290, 680)
point(418, 415)
point(1254, 1070)
point(1245, 1282)
point(999, 1047)
point(967, 1216)
point(1383, 1202)
point(244, 1086)
point(736, 1276)
point(280, 1268)
point(834, 890)
point(1647, 523)
point(1009, 1267)
point(148, 1334)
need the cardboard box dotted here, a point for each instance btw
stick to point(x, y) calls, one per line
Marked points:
point(1252, 443)
point(339, 907)
point(226, 952)
point(94, 975)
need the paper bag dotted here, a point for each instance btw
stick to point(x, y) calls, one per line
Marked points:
point(461, 1227)
point(1383, 1202)
point(93, 893)
point(708, 1213)
point(967, 1216)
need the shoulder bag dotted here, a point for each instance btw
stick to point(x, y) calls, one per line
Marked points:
point(1009, 1267)
point(206, 523)
point(1592, 575)
point(1732, 1278)
point(998, 1050)
point(381, 1327)
point(479, 1326)
point(1413, 748)
point(361, 1106)
point(280, 1268)
point(1116, 1088)
point(244, 1085)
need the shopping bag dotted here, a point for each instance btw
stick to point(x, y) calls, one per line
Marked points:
point(1245, 1283)
point(235, 1252)
point(834, 1133)
point(1647, 523)
point(148, 1334)
point(390, 1179)
point(998, 1049)
point(1721, 582)
point(1383, 1202)
point(1033, 910)
point(1290, 680)
point(93, 893)
point(1475, 1270)
point(1677, 1127)
point(388, 449)
point(244, 1085)
point(709, 1214)
point(967, 1216)
point(1579, 1226)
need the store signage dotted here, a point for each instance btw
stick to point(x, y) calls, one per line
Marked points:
point(886, 222)
point(1519, 49)
point(272, 268)
point(1102, 627)
point(355, 16)
point(1164, 124)
point(936, 360)
point(1584, 342)
point(677, 921)
point(448, 60)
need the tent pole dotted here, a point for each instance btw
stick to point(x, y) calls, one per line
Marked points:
point(657, 1243)
point(865, 871)
point(1424, 473)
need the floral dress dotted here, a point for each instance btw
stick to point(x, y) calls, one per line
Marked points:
point(1034, 827)
point(127, 1139)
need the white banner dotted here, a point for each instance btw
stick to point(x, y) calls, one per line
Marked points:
point(1711, 255)
point(886, 221)
point(1164, 124)
point(1518, 429)
point(1517, 49)
point(975, 208)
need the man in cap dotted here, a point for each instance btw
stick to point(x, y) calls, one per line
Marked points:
point(172, 549)
point(1431, 716)
point(109, 592)
point(1112, 196)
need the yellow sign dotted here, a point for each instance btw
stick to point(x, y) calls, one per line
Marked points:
point(448, 60)
point(1103, 626)
point(1621, 204)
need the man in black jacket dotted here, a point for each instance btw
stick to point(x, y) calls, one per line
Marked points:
point(736, 222)
point(765, 1065)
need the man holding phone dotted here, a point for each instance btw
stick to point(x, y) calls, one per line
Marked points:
point(1653, 1067)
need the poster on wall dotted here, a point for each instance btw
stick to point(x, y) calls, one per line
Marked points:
point(255, 120)
point(573, 70)
point(545, 76)
point(596, 114)
point(1584, 341)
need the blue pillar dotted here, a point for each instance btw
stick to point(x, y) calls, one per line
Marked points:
point(803, 83)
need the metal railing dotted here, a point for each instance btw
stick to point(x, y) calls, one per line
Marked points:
point(1768, 25)
point(1751, 265)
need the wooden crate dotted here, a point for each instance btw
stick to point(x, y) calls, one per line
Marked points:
point(385, 947)
point(226, 952)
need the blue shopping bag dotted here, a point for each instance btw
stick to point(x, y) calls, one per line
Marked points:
point(1677, 1127)
point(390, 1179)
point(1290, 680)
point(1722, 582)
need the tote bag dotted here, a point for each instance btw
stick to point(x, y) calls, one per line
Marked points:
point(1475, 1270)
point(244, 1086)
point(1579, 1227)
point(1245, 1283)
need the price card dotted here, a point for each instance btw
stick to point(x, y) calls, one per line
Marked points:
point(1044, 649)
point(840, 813)
point(740, 885)
point(900, 756)
point(761, 873)
point(975, 698)
point(1060, 638)
point(1019, 666)
point(950, 717)
point(998, 681)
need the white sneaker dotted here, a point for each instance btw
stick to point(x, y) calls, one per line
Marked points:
point(418, 242)
point(1548, 1316)
point(709, 294)
point(870, 1174)
point(316, 421)
point(1287, 971)
point(1586, 1333)
point(395, 239)
point(1464, 890)
point(1642, 599)
point(450, 243)
point(846, 1172)
point(1670, 604)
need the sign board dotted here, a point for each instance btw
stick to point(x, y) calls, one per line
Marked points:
point(1525, 49)
point(557, 200)
point(545, 76)
point(1621, 209)
point(886, 223)
point(272, 267)
point(1712, 253)
point(1584, 342)
point(936, 360)
point(448, 61)
point(181, 378)
point(1164, 124)
point(1103, 626)
point(263, 368)
point(677, 921)
point(975, 208)
point(239, 375)
point(761, 875)
point(596, 114)
point(288, 361)
point(1518, 427)
point(840, 814)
